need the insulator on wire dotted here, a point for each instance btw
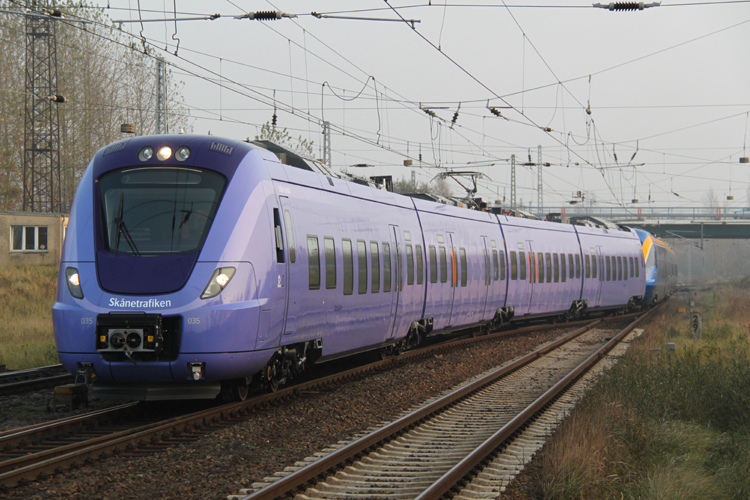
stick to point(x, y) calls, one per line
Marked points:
point(547, 129)
point(273, 120)
point(265, 15)
point(495, 112)
point(57, 98)
point(622, 6)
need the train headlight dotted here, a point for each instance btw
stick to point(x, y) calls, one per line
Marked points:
point(164, 153)
point(146, 153)
point(219, 280)
point(74, 282)
point(182, 153)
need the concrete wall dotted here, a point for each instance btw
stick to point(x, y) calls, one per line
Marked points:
point(50, 255)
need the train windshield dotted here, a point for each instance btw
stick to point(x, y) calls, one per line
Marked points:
point(157, 211)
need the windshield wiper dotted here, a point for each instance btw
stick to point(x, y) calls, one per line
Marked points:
point(121, 228)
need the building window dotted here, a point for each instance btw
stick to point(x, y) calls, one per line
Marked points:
point(29, 238)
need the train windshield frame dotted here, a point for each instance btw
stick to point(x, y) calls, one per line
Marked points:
point(158, 210)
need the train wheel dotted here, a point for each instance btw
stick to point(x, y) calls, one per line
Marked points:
point(240, 390)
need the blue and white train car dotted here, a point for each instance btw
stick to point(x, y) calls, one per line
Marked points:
point(661, 268)
point(195, 265)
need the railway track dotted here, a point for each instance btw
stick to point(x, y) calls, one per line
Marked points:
point(18, 381)
point(32, 452)
point(466, 444)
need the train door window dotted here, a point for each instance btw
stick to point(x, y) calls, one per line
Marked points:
point(513, 266)
point(495, 267)
point(501, 255)
point(593, 266)
point(578, 266)
point(290, 237)
point(556, 266)
point(609, 276)
point(587, 265)
point(563, 270)
point(625, 268)
point(420, 267)
point(522, 265)
point(443, 266)
point(330, 251)
point(619, 268)
point(362, 266)
point(540, 267)
point(375, 265)
point(346, 248)
point(548, 261)
point(386, 267)
point(464, 267)
point(409, 265)
point(571, 266)
point(433, 264)
point(277, 236)
point(313, 261)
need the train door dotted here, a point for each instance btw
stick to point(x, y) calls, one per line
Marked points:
point(286, 233)
point(452, 268)
point(600, 282)
point(397, 278)
point(272, 314)
point(487, 275)
point(532, 273)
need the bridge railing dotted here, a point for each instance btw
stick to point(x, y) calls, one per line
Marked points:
point(647, 213)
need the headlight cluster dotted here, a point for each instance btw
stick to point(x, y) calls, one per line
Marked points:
point(219, 280)
point(74, 282)
point(164, 153)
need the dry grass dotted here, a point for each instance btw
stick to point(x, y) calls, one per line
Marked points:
point(26, 297)
point(660, 424)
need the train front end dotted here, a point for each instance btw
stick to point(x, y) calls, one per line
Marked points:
point(156, 293)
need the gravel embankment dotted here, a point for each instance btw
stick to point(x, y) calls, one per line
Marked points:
point(226, 460)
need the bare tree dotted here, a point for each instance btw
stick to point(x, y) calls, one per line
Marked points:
point(710, 199)
point(437, 187)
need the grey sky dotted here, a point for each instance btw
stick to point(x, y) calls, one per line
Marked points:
point(672, 81)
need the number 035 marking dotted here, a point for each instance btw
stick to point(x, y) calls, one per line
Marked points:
point(87, 321)
point(194, 321)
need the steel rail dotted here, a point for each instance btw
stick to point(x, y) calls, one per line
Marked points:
point(50, 461)
point(454, 476)
point(301, 477)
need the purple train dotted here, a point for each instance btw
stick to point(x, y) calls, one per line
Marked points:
point(196, 266)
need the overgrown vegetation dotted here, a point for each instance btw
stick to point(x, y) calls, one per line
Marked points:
point(663, 424)
point(27, 294)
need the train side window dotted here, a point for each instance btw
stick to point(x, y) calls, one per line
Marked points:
point(625, 268)
point(443, 266)
point(409, 265)
point(619, 268)
point(330, 251)
point(532, 267)
point(386, 267)
point(522, 265)
point(548, 261)
point(399, 272)
point(420, 267)
point(571, 266)
point(464, 267)
point(501, 255)
point(313, 261)
point(578, 266)
point(290, 237)
point(362, 266)
point(540, 267)
point(433, 264)
point(556, 263)
point(495, 267)
point(563, 271)
point(277, 236)
point(593, 266)
point(346, 248)
point(632, 267)
point(513, 266)
point(609, 268)
point(587, 265)
point(375, 265)
point(601, 268)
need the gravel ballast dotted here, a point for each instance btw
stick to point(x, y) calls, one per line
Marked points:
point(225, 460)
